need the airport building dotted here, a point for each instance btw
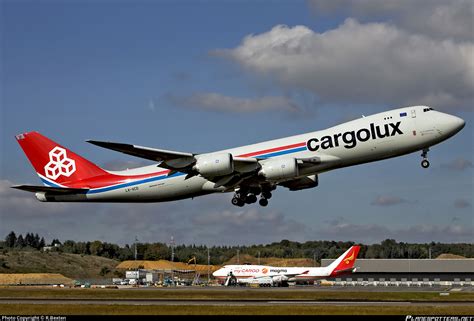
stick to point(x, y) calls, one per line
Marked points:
point(409, 271)
point(163, 272)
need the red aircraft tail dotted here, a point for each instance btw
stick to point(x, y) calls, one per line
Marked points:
point(345, 263)
point(55, 164)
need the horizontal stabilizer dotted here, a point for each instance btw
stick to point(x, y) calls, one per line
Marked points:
point(52, 190)
point(344, 271)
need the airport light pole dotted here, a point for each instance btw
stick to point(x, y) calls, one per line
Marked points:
point(135, 254)
point(208, 266)
point(172, 259)
point(258, 257)
point(238, 256)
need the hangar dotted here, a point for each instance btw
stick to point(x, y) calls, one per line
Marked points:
point(419, 271)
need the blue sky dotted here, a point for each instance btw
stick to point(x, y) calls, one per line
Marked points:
point(206, 75)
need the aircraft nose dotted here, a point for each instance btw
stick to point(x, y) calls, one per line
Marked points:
point(449, 125)
point(456, 123)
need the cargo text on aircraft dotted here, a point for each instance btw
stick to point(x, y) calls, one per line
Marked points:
point(350, 138)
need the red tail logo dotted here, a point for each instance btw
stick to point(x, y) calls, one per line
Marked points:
point(55, 162)
point(349, 259)
point(59, 164)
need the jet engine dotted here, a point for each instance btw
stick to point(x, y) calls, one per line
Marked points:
point(279, 169)
point(212, 165)
point(280, 278)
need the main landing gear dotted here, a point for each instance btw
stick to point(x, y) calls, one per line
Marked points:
point(425, 163)
point(240, 199)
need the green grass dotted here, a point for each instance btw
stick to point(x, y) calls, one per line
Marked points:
point(218, 294)
point(47, 309)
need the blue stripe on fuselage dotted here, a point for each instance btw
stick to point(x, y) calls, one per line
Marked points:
point(142, 181)
point(157, 178)
point(48, 183)
point(289, 151)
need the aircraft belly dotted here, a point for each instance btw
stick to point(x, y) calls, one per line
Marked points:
point(169, 189)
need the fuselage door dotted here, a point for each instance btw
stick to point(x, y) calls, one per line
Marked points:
point(413, 113)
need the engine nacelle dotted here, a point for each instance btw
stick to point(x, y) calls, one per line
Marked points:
point(212, 165)
point(41, 196)
point(44, 197)
point(279, 169)
point(280, 278)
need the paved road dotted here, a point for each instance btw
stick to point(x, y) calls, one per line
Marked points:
point(228, 302)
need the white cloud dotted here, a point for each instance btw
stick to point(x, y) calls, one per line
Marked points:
point(388, 200)
point(374, 233)
point(250, 226)
point(218, 102)
point(458, 164)
point(22, 205)
point(437, 19)
point(362, 63)
point(207, 220)
point(461, 203)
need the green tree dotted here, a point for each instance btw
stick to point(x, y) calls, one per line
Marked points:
point(10, 240)
point(20, 242)
point(96, 248)
point(41, 244)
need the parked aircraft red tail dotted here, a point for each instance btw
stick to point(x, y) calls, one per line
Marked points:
point(345, 263)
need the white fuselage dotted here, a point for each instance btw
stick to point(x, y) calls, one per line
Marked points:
point(367, 139)
point(248, 273)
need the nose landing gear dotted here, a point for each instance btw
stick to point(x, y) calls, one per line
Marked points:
point(425, 163)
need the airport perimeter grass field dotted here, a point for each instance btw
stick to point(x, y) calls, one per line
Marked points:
point(168, 301)
point(297, 309)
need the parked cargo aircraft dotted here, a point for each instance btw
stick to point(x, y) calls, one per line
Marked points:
point(249, 171)
point(270, 275)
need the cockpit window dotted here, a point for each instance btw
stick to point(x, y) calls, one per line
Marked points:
point(427, 109)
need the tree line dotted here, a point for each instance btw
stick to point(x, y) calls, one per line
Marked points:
point(30, 240)
point(315, 250)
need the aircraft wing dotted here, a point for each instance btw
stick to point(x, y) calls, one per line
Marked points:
point(245, 168)
point(175, 161)
point(52, 190)
point(141, 151)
